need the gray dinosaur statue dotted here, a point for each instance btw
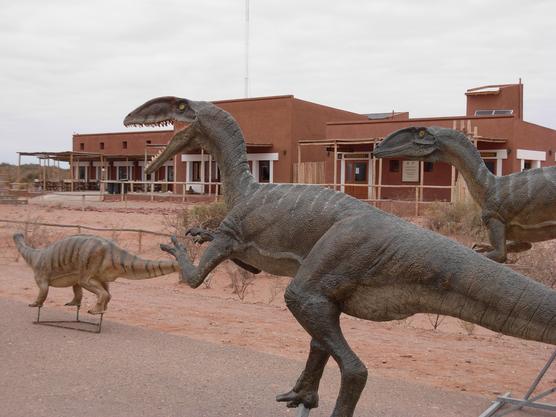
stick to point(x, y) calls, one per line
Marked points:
point(519, 208)
point(90, 262)
point(344, 256)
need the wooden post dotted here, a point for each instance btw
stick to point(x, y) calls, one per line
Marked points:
point(335, 164)
point(18, 178)
point(43, 175)
point(140, 238)
point(298, 160)
point(379, 190)
point(71, 172)
point(83, 202)
point(421, 179)
point(453, 183)
point(203, 169)
point(416, 201)
point(210, 175)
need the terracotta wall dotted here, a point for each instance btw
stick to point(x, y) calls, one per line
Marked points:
point(113, 142)
point(510, 97)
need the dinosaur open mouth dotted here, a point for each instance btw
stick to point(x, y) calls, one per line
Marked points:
point(161, 123)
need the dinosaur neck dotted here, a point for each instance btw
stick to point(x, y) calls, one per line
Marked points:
point(226, 143)
point(460, 152)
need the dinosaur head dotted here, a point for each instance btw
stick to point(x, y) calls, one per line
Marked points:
point(417, 143)
point(164, 111)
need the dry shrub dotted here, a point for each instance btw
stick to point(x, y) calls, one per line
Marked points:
point(277, 288)
point(207, 216)
point(538, 263)
point(459, 218)
point(467, 326)
point(240, 280)
point(435, 320)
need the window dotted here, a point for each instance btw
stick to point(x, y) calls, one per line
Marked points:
point(491, 165)
point(148, 142)
point(264, 171)
point(196, 171)
point(101, 145)
point(81, 146)
point(124, 144)
point(82, 173)
point(493, 112)
point(122, 173)
point(215, 171)
point(428, 166)
point(170, 175)
point(394, 165)
point(360, 171)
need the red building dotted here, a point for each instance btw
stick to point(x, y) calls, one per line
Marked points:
point(272, 127)
point(291, 140)
point(494, 120)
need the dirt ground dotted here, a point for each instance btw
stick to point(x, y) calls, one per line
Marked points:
point(456, 356)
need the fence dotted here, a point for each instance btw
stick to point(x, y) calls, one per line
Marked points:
point(80, 228)
point(411, 204)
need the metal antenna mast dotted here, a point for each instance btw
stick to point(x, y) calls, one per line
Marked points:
point(246, 48)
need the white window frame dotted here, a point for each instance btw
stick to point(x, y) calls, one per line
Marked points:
point(536, 157)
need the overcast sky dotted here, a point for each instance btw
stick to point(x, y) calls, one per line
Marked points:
point(80, 66)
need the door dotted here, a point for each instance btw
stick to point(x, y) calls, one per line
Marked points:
point(357, 172)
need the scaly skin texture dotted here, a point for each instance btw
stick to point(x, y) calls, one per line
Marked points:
point(89, 262)
point(517, 209)
point(344, 256)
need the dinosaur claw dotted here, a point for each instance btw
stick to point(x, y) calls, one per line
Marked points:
point(167, 248)
point(293, 399)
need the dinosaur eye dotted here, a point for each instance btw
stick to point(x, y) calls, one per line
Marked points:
point(422, 133)
point(181, 106)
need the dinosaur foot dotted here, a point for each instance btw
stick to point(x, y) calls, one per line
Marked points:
point(310, 399)
point(96, 310)
point(481, 247)
point(74, 303)
point(35, 304)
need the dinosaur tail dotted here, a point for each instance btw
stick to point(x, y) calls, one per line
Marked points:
point(134, 267)
point(28, 253)
point(497, 297)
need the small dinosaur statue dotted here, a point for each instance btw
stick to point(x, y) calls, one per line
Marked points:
point(90, 262)
point(344, 255)
point(519, 208)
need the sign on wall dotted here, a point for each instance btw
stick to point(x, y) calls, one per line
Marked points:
point(410, 171)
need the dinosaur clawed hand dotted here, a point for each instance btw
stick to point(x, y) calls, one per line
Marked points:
point(310, 399)
point(200, 235)
point(175, 250)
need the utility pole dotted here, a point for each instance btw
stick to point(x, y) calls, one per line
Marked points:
point(246, 48)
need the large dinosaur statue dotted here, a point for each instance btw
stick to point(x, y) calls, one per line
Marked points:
point(344, 256)
point(90, 262)
point(519, 208)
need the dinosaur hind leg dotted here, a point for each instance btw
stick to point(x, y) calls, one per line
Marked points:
point(103, 296)
point(43, 293)
point(320, 317)
point(77, 296)
point(306, 388)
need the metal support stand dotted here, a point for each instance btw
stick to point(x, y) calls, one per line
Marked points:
point(90, 327)
point(527, 401)
point(302, 411)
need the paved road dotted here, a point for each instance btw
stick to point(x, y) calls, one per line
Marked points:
point(130, 371)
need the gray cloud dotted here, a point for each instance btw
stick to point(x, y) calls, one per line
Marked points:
point(81, 66)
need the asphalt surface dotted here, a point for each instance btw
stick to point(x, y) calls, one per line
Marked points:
point(129, 371)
